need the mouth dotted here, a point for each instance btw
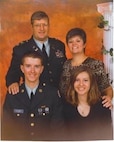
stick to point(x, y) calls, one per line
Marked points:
point(81, 89)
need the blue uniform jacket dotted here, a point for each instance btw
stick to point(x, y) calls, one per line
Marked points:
point(40, 119)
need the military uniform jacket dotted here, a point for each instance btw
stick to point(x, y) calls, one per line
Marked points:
point(40, 119)
point(52, 67)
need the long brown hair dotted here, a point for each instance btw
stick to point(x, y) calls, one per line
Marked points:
point(93, 94)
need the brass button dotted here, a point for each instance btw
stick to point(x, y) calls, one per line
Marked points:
point(18, 114)
point(44, 114)
point(50, 72)
point(32, 124)
point(32, 114)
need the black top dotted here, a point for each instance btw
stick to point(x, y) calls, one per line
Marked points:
point(52, 66)
point(96, 126)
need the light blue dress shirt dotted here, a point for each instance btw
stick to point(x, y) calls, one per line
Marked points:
point(29, 90)
point(40, 45)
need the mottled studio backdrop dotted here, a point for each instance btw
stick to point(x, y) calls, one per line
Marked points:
point(64, 15)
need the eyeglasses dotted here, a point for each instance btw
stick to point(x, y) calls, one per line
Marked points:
point(41, 25)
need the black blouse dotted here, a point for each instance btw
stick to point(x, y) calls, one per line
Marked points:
point(97, 125)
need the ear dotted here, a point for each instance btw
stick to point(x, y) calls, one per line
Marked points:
point(21, 67)
point(42, 68)
point(85, 45)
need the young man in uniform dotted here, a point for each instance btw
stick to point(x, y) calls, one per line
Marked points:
point(35, 112)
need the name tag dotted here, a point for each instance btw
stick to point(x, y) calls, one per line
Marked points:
point(18, 110)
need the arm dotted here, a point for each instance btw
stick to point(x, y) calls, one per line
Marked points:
point(13, 88)
point(105, 86)
point(107, 98)
point(65, 78)
point(14, 72)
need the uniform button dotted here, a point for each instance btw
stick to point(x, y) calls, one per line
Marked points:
point(44, 84)
point(18, 114)
point(32, 114)
point(32, 133)
point(50, 72)
point(48, 64)
point(32, 124)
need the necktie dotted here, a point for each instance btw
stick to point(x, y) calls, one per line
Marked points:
point(31, 96)
point(44, 52)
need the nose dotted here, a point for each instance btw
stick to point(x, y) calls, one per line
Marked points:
point(74, 43)
point(41, 26)
point(32, 69)
point(81, 83)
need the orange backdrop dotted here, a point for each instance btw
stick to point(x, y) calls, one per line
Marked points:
point(64, 15)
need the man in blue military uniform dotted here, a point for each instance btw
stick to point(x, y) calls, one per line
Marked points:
point(55, 50)
point(35, 113)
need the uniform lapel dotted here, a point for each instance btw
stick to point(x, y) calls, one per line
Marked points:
point(33, 46)
point(24, 98)
point(52, 50)
point(39, 96)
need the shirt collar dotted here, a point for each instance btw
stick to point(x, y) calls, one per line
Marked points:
point(29, 90)
point(39, 44)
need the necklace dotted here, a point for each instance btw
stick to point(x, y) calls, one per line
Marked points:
point(83, 110)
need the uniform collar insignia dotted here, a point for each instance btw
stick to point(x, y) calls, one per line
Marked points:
point(35, 48)
point(22, 91)
point(40, 90)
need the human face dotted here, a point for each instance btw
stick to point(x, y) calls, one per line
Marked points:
point(76, 45)
point(40, 29)
point(32, 68)
point(82, 84)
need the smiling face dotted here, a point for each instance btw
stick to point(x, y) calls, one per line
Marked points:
point(32, 68)
point(40, 29)
point(82, 84)
point(76, 44)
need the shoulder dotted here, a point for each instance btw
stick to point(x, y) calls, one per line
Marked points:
point(13, 97)
point(46, 87)
point(56, 42)
point(24, 43)
point(22, 90)
point(93, 63)
point(51, 91)
point(89, 59)
point(98, 107)
point(67, 62)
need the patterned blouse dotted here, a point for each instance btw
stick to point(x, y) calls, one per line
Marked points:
point(96, 66)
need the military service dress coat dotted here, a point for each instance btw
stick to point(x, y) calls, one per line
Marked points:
point(52, 66)
point(39, 119)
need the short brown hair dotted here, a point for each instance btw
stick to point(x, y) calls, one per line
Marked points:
point(76, 32)
point(33, 54)
point(39, 15)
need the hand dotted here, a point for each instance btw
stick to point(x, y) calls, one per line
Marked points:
point(107, 102)
point(13, 88)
